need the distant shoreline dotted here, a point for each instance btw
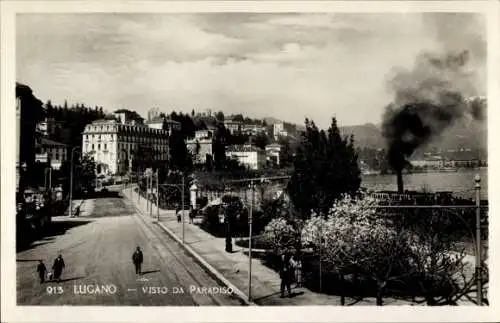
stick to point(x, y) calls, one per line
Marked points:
point(423, 171)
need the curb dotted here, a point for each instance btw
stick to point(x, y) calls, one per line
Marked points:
point(209, 268)
point(217, 275)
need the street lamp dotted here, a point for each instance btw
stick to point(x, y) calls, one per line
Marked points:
point(181, 188)
point(479, 282)
point(250, 211)
point(71, 182)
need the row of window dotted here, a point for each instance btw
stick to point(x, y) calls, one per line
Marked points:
point(53, 153)
point(121, 128)
point(121, 146)
point(129, 138)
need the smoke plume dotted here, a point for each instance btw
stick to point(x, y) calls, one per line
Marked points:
point(427, 100)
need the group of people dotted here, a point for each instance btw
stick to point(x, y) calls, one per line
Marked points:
point(290, 270)
point(55, 274)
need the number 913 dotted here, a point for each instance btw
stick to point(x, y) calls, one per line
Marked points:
point(51, 290)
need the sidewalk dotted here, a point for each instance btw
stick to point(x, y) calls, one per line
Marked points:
point(234, 266)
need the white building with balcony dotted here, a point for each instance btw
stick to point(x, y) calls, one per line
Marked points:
point(273, 152)
point(252, 157)
point(114, 144)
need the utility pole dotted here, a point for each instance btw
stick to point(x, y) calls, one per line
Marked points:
point(138, 188)
point(182, 197)
point(250, 211)
point(148, 178)
point(479, 280)
point(71, 183)
point(151, 202)
point(157, 196)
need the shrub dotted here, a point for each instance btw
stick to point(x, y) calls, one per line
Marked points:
point(281, 236)
point(355, 239)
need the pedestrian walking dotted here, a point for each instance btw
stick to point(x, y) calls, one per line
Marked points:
point(58, 268)
point(286, 274)
point(191, 214)
point(178, 213)
point(137, 259)
point(298, 272)
point(41, 269)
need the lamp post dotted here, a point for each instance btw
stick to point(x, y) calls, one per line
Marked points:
point(182, 197)
point(71, 182)
point(479, 281)
point(157, 196)
point(181, 188)
point(250, 211)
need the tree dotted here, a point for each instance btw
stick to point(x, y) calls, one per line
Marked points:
point(357, 239)
point(325, 167)
point(238, 117)
point(180, 159)
point(261, 140)
point(219, 147)
point(219, 116)
point(286, 152)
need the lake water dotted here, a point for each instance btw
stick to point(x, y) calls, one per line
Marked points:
point(461, 183)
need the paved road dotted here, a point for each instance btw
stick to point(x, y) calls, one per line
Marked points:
point(97, 248)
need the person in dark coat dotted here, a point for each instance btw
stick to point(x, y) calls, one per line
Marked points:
point(41, 269)
point(178, 214)
point(137, 259)
point(58, 267)
point(286, 274)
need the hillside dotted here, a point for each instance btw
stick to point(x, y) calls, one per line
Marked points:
point(463, 134)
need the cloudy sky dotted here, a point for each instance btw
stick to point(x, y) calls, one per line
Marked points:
point(287, 66)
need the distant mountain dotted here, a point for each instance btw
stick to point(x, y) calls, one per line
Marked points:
point(463, 134)
point(365, 136)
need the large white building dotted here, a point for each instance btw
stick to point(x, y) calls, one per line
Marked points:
point(114, 143)
point(233, 126)
point(253, 129)
point(252, 157)
point(279, 130)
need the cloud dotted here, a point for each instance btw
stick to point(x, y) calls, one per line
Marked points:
point(283, 65)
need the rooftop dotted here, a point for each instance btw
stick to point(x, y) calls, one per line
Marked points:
point(243, 148)
point(161, 120)
point(49, 142)
point(232, 121)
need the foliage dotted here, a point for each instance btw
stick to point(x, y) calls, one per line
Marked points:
point(261, 140)
point(281, 235)
point(188, 126)
point(355, 239)
point(84, 173)
point(325, 167)
point(180, 158)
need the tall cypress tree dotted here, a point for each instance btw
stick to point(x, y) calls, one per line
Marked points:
point(325, 167)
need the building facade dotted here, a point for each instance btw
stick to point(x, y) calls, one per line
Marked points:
point(233, 126)
point(48, 127)
point(201, 146)
point(50, 151)
point(279, 130)
point(253, 129)
point(429, 162)
point(163, 123)
point(114, 144)
point(273, 152)
point(252, 157)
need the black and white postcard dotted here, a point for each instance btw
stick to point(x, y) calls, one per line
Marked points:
point(249, 161)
